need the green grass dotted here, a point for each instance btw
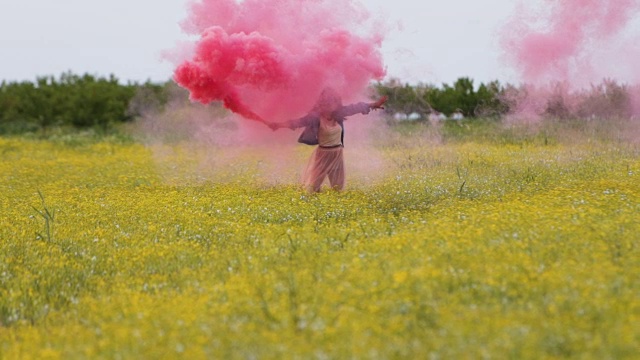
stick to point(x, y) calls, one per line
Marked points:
point(478, 241)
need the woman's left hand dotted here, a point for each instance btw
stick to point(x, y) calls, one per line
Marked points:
point(380, 103)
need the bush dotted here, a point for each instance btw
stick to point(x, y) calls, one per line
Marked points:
point(82, 102)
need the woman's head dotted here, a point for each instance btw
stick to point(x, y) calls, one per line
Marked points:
point(328, 102)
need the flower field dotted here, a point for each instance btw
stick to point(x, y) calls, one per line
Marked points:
point(460, 249)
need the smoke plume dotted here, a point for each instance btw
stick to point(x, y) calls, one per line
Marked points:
point(575, 41)
point(270, 59)
point(575, 58)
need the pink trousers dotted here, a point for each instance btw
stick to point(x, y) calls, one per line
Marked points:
point(324, 163)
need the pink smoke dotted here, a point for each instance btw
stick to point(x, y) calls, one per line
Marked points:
point(563, 40)
point(269, 59)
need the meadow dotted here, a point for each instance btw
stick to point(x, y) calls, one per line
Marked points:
point(466, 242)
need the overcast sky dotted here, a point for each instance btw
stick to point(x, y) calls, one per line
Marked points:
point(432, 41)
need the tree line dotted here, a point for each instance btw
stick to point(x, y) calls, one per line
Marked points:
point(462, 96)
point(79, 101)
point(88, 101)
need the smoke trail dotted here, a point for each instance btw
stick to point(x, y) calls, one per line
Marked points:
point(271, 58)
point(576, 59)
point(566, 40)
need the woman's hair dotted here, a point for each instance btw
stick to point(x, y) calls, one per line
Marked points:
point(329, 100)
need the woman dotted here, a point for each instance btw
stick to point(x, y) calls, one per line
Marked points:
point(324, 127)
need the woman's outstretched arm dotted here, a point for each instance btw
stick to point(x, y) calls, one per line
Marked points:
point(293, 124)
point(361, 108)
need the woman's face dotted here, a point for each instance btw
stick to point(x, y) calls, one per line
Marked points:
point(329, 102)
point(329, 107)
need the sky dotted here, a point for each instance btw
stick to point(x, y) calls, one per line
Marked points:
point(428, 41)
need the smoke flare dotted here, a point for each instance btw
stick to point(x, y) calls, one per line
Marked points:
point(269, 59)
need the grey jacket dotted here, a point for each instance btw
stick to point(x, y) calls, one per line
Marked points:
point(311, 122)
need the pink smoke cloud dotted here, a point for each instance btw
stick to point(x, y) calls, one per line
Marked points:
point(271, 58)
point(562, 40)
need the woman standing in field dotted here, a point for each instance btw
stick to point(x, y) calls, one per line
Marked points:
point(324, 127)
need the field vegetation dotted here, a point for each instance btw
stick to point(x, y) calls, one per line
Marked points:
point(473, 240)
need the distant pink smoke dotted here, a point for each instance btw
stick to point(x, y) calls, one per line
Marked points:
point(570, 54)
point(571, 40)
point(271, 58)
